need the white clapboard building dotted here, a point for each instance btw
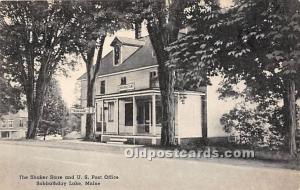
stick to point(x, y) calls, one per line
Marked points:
point(127, 98)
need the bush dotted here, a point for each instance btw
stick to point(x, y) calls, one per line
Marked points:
point(255, 127)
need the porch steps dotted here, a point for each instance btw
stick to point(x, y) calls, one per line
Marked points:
point(115, 140)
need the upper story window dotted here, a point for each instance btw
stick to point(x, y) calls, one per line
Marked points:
point(21, 124)
point(153, 79)
point(117, 55)
point(8, 123)
point(123, 80)
point(152, 74)
point(102, 87)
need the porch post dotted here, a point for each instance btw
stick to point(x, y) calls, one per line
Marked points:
point(102, 122)
point(134, 112)
point(95, 119)
point(117, 116)
point(154, 114)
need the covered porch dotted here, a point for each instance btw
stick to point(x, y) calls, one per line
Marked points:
point(131, 115)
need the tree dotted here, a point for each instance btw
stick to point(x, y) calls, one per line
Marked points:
point(164, 20)
point(93, 21)
point(255, 43)
point(35, 37)
point(54, 111)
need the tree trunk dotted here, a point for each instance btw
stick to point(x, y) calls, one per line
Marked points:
point(30, 129)
point(34, 118)
point(89, 120)
point(92, 72)
point(166, 76)
point(35, 105)
point(45, 133)
point(292, 117)
point(161, 36)
point(168, 108)
point(285, 130)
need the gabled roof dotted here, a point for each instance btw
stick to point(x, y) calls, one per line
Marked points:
point(141, 57)
point(128, 41)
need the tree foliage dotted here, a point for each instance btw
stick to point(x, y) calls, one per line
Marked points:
point(93, 21)
point(54, 111)
point(255, 43)
point(35, 37)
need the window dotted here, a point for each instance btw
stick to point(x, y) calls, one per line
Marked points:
point(21, 123)
point(5, 134)
point(101, 116)
point(101, 120)
point(8, 123)
point(117, 55)
point(111, 111)
point(98, 124)
point(140, 114)
point(153, 79)
point(153, 74)
point(128, 114)
point(102, 87)
point(143, 116)
point(123, 80)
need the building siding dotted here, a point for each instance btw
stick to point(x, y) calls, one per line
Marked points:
point(18, 126)
point(189, 116)
point(140, 79)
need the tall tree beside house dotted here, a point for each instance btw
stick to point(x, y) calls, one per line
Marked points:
point(54, 111)
point(164, 20)
point(255, 43)
point(94, 20)
point(35, 36)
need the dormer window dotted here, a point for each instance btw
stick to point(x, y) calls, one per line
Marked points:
point(129, 46)
point(117, 55)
